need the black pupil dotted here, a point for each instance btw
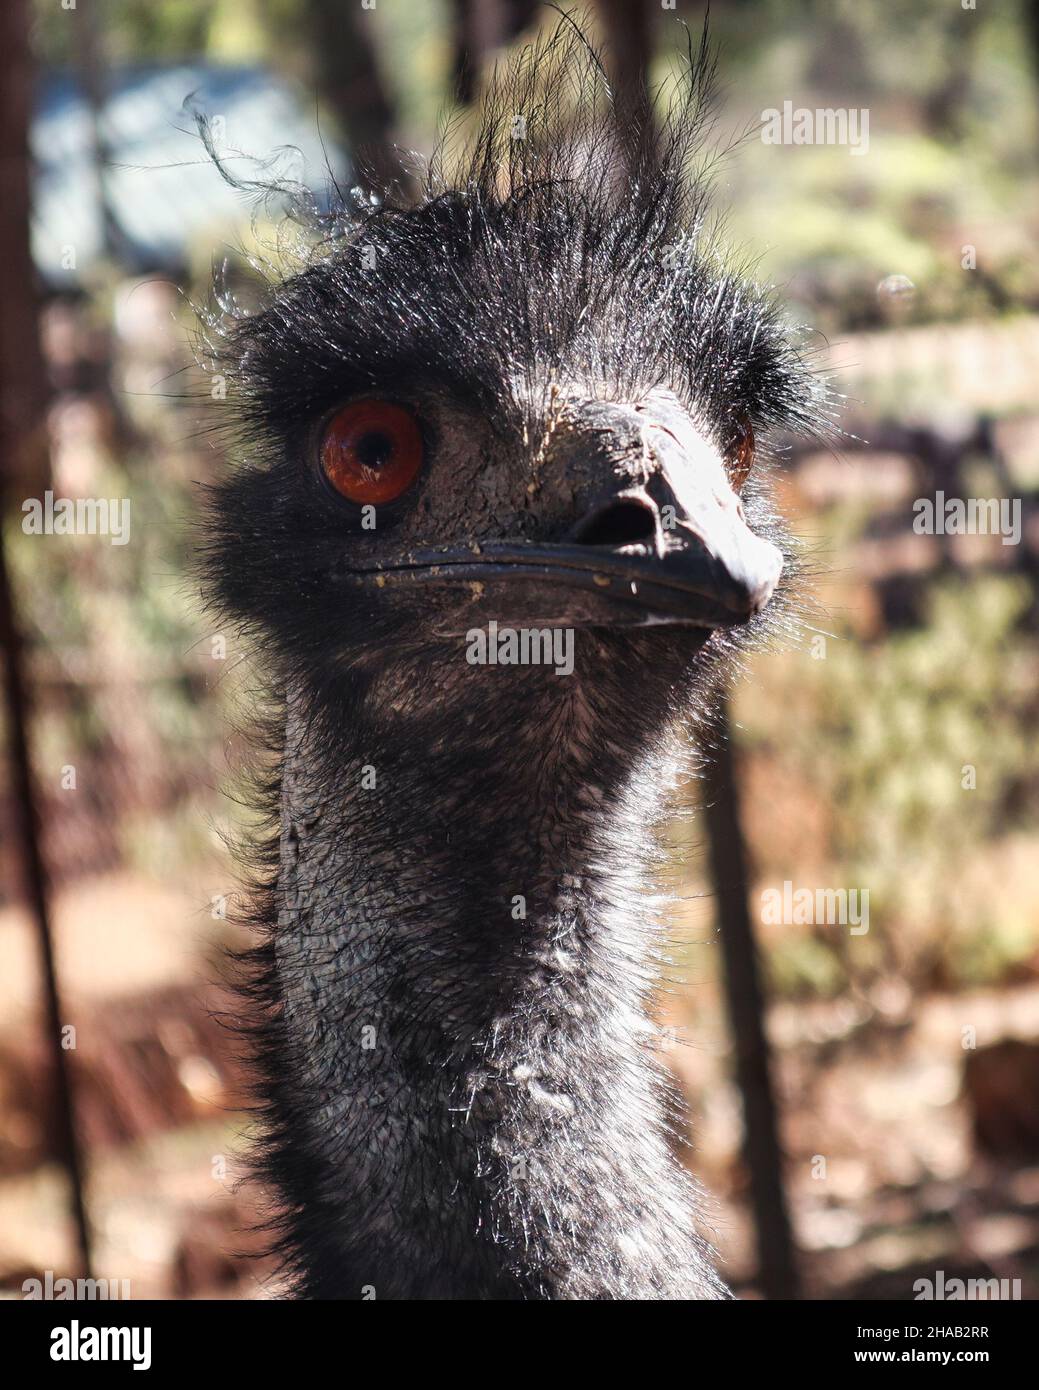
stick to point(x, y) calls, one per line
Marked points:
point(374, 449)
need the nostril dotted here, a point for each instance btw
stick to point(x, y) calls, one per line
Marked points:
point(618, 523)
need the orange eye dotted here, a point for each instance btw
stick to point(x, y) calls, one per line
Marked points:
point(372, 451)
point(742, 460)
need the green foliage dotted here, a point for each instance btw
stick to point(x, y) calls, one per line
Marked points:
point(138, 31)
point(885, 736)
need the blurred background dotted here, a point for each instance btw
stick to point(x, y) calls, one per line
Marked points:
point(893, 748)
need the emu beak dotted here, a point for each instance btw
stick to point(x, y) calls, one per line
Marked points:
point(643, 556)
point(678, 539)
point(665, 542)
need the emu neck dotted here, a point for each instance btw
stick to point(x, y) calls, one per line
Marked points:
point(463, 960)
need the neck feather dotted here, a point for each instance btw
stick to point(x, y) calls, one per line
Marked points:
point(468, 1101)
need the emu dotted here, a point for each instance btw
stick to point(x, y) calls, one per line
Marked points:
point(538, 396)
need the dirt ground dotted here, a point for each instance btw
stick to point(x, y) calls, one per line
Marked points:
point(886, 1179)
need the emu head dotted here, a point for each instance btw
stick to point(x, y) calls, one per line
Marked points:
point(540, 396)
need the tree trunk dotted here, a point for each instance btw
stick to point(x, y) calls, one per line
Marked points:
point(22, 376)
point(351, 81)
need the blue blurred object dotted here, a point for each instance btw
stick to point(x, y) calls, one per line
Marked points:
point(161, 187)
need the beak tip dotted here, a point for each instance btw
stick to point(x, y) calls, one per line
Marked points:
point(752, 590)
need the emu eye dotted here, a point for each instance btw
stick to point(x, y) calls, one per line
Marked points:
point(741, 460)
point(372, 451)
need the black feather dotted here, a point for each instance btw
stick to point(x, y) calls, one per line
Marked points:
point(507, 1135)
